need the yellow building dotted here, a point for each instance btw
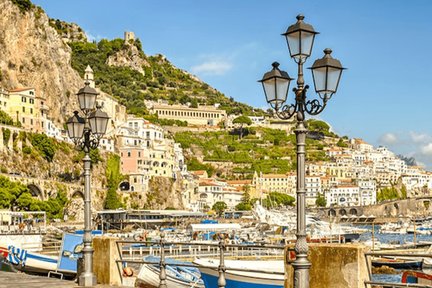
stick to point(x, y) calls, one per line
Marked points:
point(25, 107)
point(202, 115)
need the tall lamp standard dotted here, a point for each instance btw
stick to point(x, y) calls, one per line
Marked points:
point(86, 133)
point(326, 74)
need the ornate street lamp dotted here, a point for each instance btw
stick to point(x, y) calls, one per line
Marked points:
point(86, 133)
point(326, 75)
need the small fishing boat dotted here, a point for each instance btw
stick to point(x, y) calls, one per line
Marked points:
point(177, 276)
point(397, 263)
point(271, 273)
point(417, 278)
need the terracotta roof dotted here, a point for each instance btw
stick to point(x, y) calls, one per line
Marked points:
point(20, 89)
point(198, 172)
point(239, 182)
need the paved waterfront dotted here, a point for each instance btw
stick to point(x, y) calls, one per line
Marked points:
point(21, 280)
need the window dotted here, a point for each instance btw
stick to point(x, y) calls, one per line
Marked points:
point(31, 101)
point(31, 110)
point(23, 99)
point(129, 154)
point(23, 120)
point(31, 121)
point(23, 109)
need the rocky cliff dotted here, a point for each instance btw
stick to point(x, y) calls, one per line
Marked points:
point(33, 54)
point(130, 56)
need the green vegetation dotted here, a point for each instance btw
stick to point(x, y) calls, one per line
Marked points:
point(391, 193)
point(341, 143)
point(193, 165)
point(276, 199)
point(6, 135)
point(246, 204)
point(161, 79)
point(263, 150)
point(23, 5)
point(219, 207)
point(321, 201)
point(242, 120)
point(18, 196)
point(320, 126)
point(43, 144)
point(6, 119)
point(112, 200)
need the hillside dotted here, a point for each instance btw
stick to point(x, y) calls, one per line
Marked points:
point(123, 70)
point(224, 154)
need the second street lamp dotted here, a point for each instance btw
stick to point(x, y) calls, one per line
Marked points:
point(326, 74)
point(86, 133)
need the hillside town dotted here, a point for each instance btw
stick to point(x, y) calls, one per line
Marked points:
point(353, 177)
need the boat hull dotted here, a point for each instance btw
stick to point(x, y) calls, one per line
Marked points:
point(398, 264)
point(271, 273)
point(210, 278)
point(150, 276)
point(416, 277)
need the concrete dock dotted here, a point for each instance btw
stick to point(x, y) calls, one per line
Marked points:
point(22, 280)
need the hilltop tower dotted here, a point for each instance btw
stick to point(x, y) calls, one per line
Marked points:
point(89, 76)
point(129, 36)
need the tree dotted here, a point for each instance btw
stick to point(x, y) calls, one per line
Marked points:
point(219, 207)
point(321, 201)
point(243, 206)
point(341, 143)
point(242, 120)
point(44, 144)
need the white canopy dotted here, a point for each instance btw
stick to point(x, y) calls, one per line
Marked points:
point(214, 227)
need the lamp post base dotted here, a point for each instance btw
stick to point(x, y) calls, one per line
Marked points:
point(87, 280)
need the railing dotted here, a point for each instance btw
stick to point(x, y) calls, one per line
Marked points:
point(370, 283)
point(220, 250)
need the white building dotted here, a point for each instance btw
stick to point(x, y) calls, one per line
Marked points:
point(313, 187)
point(211, 191)
point(367, 192)
point(343, 195)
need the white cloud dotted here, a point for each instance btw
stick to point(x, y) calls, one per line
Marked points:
point(91, 37)
point(426, 149)
point(389, 139)
point(212, 67)
point(420, 137)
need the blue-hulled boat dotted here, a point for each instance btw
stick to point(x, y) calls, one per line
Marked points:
point(398, 263)
point(271, 273)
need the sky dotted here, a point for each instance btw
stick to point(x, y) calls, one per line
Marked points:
point(383, 97)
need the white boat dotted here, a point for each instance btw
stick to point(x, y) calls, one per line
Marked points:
point(30, 262)
point(271, 273)
point(177, 277)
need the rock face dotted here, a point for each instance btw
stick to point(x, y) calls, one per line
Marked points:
point(33, 54)
point(129, 56)
point(70, 32)
point(163, 193)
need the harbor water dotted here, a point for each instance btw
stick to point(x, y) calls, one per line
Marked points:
point(393, 239)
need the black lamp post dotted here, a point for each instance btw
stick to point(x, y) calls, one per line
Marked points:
point(326, 75)
point(86, 133)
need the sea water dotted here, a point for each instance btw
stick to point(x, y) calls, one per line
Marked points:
point(392, 239)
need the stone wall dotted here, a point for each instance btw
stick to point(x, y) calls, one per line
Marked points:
point(333, 266)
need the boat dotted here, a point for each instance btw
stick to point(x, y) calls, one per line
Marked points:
point(177, 276)
point(29, 262)
point(271, 273)
point(416, 277)
point(397, 263)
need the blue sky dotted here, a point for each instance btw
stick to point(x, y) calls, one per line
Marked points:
point(384, 96)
